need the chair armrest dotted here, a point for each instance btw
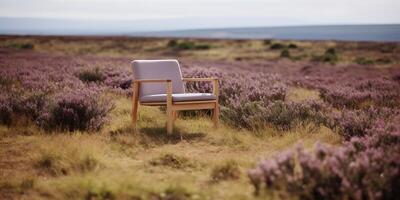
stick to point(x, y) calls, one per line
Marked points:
point(151, 80)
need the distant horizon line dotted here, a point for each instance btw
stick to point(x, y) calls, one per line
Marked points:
point(273, 26)
point(172, 29)
point(294, 25)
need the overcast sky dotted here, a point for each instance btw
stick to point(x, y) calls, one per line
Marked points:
point(182, 14)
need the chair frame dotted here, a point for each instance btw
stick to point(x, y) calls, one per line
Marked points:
point(174, 107)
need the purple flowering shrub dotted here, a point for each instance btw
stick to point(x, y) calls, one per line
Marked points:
point(75, 110)
point(352, 123)
point(5, 110)
point(363, 168)
point(281, 115)
point(378, 92)
point(239, 86)
point(119, 80)
point(244, 96)
point(247, 115)
point(255, 100)
point(38, 86)
point(16, 102)
point(285, 116)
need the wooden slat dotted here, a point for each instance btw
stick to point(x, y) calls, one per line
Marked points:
point(193, 102)
point(175, 103)
point(198, 106)
point(152, 80)
point(153, 103)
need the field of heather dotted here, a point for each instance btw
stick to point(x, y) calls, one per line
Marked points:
point(299, 120)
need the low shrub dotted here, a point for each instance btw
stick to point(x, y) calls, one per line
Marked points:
point(396, 77)
point(32, 104)
point(353, 123)
point(172, 43)
point(283, 116)
point(267, 42)
point(387, 48)
point(5, 110)
point(187, 45)
point(363, 61)
point(285, 53)
point(202, 47)
point(360, 169)
point(23, 45)
point(239, 58)
point(378, 92)
point(118, 80)
point(329, 56)
point(247, 115)
point(292, 46)
point(383, 61)
point(330, 51)
point(234, 87)
point(276, 46)
point(227, 171)
point(20, 103)
point(81, 109)
point(91, 75)
point(344, 96)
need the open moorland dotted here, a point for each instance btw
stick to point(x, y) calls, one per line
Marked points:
point(299, 120)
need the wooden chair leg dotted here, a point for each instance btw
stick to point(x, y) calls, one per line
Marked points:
point(135, 100)
point(216, 106)
point(175, 115)
point(216, 115)
point(170, 117)
point(170, 120)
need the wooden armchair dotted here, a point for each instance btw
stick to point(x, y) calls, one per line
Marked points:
point(160, 83)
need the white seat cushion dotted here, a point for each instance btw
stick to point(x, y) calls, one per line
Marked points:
point(178, 97)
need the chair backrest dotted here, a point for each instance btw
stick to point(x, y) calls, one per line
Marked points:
point(158, 69)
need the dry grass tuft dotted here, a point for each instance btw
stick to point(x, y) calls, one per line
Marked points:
point(171, 160)
point(173, 193)
point(297, 94)
point(64, 155)
point(229, 170)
